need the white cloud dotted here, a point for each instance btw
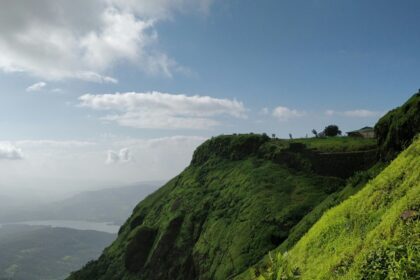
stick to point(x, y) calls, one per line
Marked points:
point(359, 113)
point(124, 155)
point(53, 143)
point(330, 112)
point(10, 152)
point(57, 90)
point(59, 39)
point(67, 166)
point(93, 77)
point(161, 9)
point(177, 140)
point(283, 113)
point(163, 110)
point(36, 87)
point(265, 111)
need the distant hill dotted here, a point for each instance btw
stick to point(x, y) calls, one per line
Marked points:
point(33, 252)
point(106, 205)
point(38, 252)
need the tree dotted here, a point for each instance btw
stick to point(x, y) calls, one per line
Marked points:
point(332, 130)
point(315, 132)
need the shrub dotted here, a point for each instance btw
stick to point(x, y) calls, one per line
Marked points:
point(332, 130)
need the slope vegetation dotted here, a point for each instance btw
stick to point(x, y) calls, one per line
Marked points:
point(372, 235)
point(397, 128)
point(240, 197)
point(246, 195)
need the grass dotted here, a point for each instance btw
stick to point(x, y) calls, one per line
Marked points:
point(398, 127)
point(244, 195)
point(372, 235)
point(338, 144)
point(241, 197)
point(353, 185)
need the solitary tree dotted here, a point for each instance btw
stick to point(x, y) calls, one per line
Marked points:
point(315, 132)
point(332, 130)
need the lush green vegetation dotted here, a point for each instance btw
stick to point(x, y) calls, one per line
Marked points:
point(338, 144)
point(241, 197)
point(397, 128)
point(353, 185)
point(246, 195)
point(37, 252)
point(332, 130)
point(372, 235)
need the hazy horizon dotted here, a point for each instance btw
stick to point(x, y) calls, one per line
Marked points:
point(108, 93)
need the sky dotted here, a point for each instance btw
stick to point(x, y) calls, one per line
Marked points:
point(110, 92)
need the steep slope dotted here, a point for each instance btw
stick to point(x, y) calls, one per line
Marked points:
point(397, 128)
point(239, 198)
point(372, 235)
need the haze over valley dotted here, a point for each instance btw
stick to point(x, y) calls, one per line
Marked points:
point(209, 139)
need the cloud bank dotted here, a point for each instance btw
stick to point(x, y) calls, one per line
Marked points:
point(163, 110)
point(79, 39)
point(10, 152)
point(358, 113)
point(55, 167)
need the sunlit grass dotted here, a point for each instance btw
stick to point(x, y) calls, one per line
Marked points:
point(365, 237)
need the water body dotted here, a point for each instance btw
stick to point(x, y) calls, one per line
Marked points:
point(79, 225)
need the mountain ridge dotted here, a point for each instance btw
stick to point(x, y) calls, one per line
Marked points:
point(237, 185)
point(243, 196)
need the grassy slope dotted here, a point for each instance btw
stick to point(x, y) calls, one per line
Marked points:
point(330, 144)
point(218, 217)
point(240, 197)
point(372, 235)
point(338, 144)
point(397, 128)
point(353, 185)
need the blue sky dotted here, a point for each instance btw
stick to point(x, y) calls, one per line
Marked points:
point(214, 67)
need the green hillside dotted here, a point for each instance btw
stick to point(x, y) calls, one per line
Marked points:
point(397, 128)
point(241, 197)
point(372, 235)
point(246, 195)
